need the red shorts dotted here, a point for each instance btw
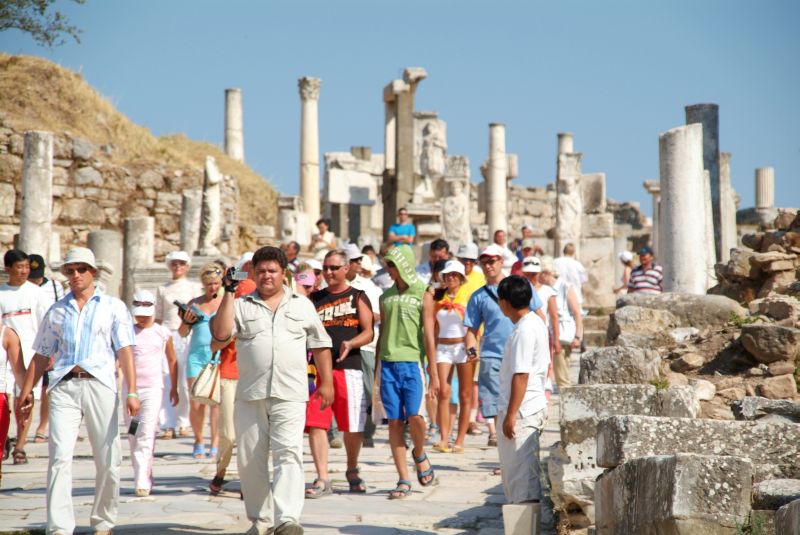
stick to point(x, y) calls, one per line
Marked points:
point(5, 419)
point(349, 404)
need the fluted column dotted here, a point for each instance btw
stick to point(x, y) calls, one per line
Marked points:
point(309, 146)
point(565, 143)
point(497, 186)
point(765, 188)
point(682, 244)
point(35, 225)
point(234, 124)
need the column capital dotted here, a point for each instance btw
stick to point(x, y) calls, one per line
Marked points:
point(309, 88)
point(653, 187)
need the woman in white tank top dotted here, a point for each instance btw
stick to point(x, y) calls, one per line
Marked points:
point(451, 351)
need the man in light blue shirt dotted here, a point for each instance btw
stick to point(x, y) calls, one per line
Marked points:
point(85, 332)
point(483, 309)
point(402, 232)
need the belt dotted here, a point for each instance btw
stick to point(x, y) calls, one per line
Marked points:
point(77, 375)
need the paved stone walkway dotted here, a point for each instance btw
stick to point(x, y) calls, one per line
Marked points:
point(466, 498)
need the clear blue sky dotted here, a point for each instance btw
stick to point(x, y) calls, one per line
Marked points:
point(614, 73)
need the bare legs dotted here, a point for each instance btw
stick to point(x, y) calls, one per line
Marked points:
point(465, 372)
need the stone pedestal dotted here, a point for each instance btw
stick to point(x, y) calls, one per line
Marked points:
point(727, 208)
point(707, 115)
point(35, 226)
point(653, 187)
point(521, 519)
point(191, 218)
point(107, 247)
point(234, 124)
point(765, 192)
point(210, 220)
point(139, 244)
point(682, 247)
point(497, 185)
point(309, 146)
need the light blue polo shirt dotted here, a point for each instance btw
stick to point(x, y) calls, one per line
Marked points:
point(496, 326)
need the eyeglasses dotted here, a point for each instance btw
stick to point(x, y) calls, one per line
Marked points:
point(331, 268)
point(71, 271)
point(465, 260)
point(142, 304)
point(489, 261)
point(178, 262)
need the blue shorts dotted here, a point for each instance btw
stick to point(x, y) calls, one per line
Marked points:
point(402, 389)
point(489, 386)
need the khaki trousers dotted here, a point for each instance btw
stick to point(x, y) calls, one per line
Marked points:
point(263, 427)
point(227, 431)
point(561, 366)
point(98, 405)
point(519, 457)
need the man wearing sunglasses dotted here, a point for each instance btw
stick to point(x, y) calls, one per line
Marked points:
point(85, 333)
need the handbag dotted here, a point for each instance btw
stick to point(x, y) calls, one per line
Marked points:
point(205, 389)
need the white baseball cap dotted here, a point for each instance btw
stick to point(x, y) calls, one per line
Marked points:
point(467, 250)
point(79, 255)
point(245, 258)
point(453, 266)
point(144, 303)
point(531, 264)
point(492, 250)
point(180, 256)
point(353, 252)
point(314, 264)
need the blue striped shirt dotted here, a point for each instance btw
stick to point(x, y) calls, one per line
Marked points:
point(89, 338)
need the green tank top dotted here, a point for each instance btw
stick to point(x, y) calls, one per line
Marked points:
point(401, 324)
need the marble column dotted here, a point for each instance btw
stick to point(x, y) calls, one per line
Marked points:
point(711, 257)
point(569, 202)
point(497, 182)
point(35, 225)
point(107, 248)
point(683, 210)
point(765, 188)
point(309, 146)
point(707, 115)
point(727, 208)
point(139, 242)
point(565, 143)
point(653, 187)
point(234, 124)
point(210, 220)
point(191, 217)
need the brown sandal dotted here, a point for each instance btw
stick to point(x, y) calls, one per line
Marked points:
point(20, 457)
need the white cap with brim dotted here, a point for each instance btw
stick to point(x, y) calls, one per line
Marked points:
point(314, 264)
point(181, 256)
point(353, 252)
point(492, 250)
point(531, 264)
point(144, 303)
point(468, 251)
point(367, 264)
point(453, 266)
point(245, 258)
point(79, 255)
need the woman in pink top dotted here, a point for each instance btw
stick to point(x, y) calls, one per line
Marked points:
point(153, 345)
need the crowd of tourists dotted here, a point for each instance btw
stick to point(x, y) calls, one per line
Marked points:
point(331, 343)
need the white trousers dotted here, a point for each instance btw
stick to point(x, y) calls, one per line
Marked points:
point(174, 417)
point(143, 443)
point(519, 457)
point(98, 405)
point(271, 426)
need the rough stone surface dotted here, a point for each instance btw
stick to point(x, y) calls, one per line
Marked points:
point(758, 408)
point(82, 149)
point(773, 448)
point(787, 519)
point(775, 493)
point(676, 494)
point(88, 176)
point(770, 343)
point(781, 387)
point(648, 323)
point(781, 367)
point(690, 310)
point(619, 365)
point(686, 362)
point(703, 390)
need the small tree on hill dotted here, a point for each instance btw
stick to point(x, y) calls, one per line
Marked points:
point(47, 27)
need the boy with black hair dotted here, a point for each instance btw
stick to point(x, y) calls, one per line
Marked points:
point(522, 404)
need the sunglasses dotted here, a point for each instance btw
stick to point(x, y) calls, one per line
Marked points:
point(142, 304)
point(178, 262)
point(331, 268)
point(489, 261)
point(71, 271)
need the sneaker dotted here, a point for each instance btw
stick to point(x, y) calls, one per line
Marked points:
point(336, 443)
point(289, 528)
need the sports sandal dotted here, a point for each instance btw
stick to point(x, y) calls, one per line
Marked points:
point(40, 438)
point(199, 451)
point(315, 491)
point(422, 474)
point(19, 456)
point(402, 490)
point(357, 485)
point(492, 440)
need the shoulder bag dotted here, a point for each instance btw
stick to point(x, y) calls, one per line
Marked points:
point(205, 389)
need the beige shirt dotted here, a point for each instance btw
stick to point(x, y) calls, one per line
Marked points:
point(182, 290)
point(272, 348)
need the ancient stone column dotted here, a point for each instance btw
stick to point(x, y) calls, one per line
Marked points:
point(709, 231)
point(139, 242)
point(107, 247)
point(727, 208)
point(569, 202)
point(191, 217)
point(210, 221)
point(309, 146)
point(765, 188)
point(497, 183)
point(682, 245)
point(35, 225)
point(708, 116)
point(234, 124)
point(653, 187)
point(565, 143)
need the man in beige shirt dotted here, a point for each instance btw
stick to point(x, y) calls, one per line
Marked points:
point(274, 330)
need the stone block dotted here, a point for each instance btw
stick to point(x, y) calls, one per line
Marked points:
point(651, 323)
point(703, 390)
point(88, 176)
point(82, 149)
point(150, 179)
point(8, 197)
point(770, 343)
point(171, 202)
point(758, 408)
point(521, 519)
point(676, 494)
point(779, 307)
point(773, 448)
point(686, 362)
point(773, 494)
point(597, 226)
point(597, 256)
point(593, 193)
point(619, 365)
point(787, 519)
point(781, 387)
point(80, 211)
point(781, 367)
point(690, 310)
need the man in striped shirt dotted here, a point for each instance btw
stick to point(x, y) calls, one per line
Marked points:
point(647, 277)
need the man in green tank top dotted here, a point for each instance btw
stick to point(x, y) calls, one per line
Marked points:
point(401, 347)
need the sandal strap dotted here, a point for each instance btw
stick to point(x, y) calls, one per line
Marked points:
point(405, 482)
point(420, 459)
point(352, 471)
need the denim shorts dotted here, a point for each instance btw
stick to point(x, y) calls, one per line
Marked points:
point(489, 386)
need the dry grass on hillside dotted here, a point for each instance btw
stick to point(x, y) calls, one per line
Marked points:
point(38, 94)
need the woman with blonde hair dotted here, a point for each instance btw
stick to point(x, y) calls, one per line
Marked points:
point(195, 320)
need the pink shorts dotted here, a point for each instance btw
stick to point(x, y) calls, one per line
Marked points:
point(349, 404)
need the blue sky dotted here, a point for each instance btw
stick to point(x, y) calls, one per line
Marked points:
point(615, 73)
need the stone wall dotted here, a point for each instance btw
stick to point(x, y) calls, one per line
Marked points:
point(91, 192)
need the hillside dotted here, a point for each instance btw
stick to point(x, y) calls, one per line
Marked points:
point(38, 94)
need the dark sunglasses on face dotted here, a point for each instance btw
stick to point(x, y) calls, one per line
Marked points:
point(331, 268)
point(489, 261)
point(142, 304)
point(71, 271)
point(178, 262)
